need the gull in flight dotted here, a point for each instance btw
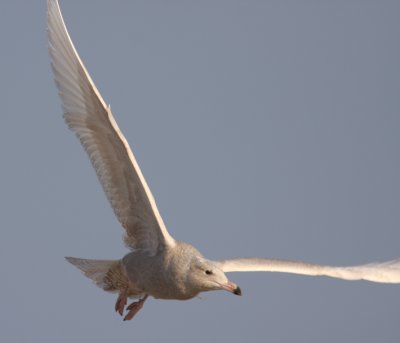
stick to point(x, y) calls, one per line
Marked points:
point(157, 265)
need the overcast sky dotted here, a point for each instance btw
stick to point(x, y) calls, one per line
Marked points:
point(264, 128)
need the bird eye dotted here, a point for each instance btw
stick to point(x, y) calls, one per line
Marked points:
point(209, 272)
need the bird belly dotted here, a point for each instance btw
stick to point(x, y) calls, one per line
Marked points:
point(151, 275)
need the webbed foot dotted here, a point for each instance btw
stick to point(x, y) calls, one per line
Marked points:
point(134, 308)
point(121, 302)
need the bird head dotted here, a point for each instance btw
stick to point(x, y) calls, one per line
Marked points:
point(206, 276)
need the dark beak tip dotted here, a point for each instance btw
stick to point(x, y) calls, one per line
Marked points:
point(237, 291)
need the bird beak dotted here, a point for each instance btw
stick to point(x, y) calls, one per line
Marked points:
point(231, 287)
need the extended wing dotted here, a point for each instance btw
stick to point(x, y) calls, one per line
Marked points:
point(385, 272)
point(87, 115)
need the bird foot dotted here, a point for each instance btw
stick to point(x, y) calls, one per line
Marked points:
point(121, 302)
point(134, 308)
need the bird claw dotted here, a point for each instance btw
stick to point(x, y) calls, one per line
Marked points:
point(134, 308)
point(121, 302)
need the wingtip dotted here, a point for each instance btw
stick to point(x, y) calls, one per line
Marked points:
point(71, 260)
point(51, 4)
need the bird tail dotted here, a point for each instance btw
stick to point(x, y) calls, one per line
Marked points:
point(107, 274)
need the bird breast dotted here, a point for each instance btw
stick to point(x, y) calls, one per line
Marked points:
point(164, 275)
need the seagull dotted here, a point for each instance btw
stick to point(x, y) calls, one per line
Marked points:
point(157, 265)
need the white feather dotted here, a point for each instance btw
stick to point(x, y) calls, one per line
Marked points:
point(88, 116)
point(385, 272)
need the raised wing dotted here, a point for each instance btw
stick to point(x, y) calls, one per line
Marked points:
point(87, 115)
point(384, 272)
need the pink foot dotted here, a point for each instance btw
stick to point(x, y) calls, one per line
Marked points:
point(121, 302)
point(135, 307)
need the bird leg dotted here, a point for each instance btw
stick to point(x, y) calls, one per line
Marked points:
point(121, 302)
point(134, 308)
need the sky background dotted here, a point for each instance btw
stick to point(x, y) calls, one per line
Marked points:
point(264, 128)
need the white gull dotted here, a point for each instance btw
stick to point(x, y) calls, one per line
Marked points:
point(158, 265)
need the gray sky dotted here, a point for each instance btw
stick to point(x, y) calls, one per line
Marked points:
point(264, 128)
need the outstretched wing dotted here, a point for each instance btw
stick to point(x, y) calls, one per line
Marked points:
point(385, 272)
point(87, 115)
